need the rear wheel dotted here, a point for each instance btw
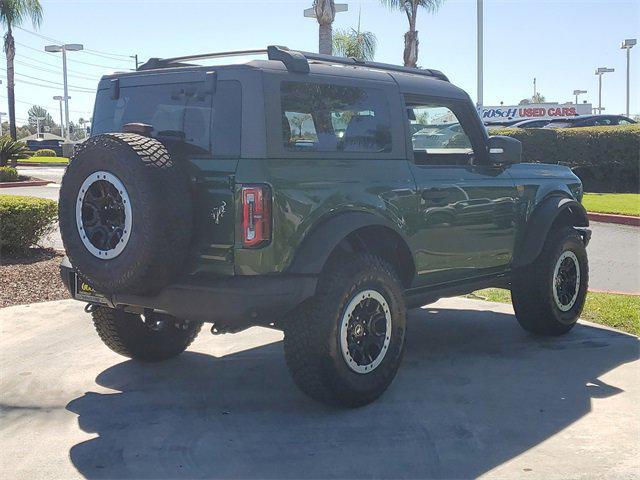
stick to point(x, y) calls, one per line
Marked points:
point(153, 337)
point(344, 347)
point(548, 296)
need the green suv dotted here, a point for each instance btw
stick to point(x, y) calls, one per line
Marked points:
point(317, 195)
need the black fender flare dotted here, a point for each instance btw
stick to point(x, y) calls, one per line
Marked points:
point(322, 239)
point(529, 244)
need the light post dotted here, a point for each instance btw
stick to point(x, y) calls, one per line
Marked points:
point(38, 120)
point(599, 72)
point(60, 99)
point(627, 45)
point(480, 40)
point(578, 92)
point(69, 47)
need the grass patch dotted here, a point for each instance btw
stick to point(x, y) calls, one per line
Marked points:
point(618, 203)
point(37, 160)
point(613, 310)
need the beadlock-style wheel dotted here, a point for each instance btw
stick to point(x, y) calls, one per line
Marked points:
point(566, 281)
point(103, 215)
point(365, 331)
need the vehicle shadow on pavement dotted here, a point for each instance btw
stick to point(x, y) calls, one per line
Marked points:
point(474, 391)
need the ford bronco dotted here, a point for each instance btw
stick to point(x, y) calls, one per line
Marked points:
point(318, 195)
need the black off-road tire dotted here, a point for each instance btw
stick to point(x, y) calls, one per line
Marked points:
point(532, 290)
point(161, 211)
point(312, 333)
point(158, 337)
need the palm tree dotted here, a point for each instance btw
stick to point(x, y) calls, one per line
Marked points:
point(410, 8)
point(12, 151)
point(354, 43)
point(12, 14)
point(325, 14)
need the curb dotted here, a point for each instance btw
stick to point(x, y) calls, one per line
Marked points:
point(611, 218)
point(43, 165)
point(615, 292)
point(36, 182)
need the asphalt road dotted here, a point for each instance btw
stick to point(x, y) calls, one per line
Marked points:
point(475, 396)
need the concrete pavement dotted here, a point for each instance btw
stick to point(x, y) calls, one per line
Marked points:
point(53, 174)
point(475, 396)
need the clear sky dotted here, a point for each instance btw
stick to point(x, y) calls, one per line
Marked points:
point(560, 42)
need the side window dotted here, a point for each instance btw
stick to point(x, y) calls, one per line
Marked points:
point(334, 118)
point(437, 136)
point(623, 121)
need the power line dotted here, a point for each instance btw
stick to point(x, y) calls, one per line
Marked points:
point(74, 60)
point(49, 107)
point(48, 81)
point(111, 56)
point(57, 72)
point(55, 88)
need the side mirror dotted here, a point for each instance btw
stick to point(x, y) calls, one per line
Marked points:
point(504, 150)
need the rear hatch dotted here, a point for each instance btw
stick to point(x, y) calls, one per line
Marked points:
point(198, 119)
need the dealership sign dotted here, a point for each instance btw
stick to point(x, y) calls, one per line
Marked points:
point(533, 110)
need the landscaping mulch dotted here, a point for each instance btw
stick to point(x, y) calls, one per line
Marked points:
point(33, 277)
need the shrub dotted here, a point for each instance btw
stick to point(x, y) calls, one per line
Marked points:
point(12, 151)
point(8, 174)
point(605, 158)
point(24, 221)
point(45, 152)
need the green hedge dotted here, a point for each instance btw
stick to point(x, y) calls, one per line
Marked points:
point(24, 221)
point(45, 152)
point(607, 159)
point(8, 174)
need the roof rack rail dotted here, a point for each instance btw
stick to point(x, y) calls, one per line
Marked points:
point(294, 60)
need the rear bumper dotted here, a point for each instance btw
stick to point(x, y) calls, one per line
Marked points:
point(232, 303)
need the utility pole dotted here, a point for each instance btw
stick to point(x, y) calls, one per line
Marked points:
point(69, 47)
point(480, 51)
point(135, 57)
point(62, 129)
point(627, 45)
point(601, 71)
point(534, 87)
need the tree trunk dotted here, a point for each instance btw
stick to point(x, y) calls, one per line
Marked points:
point(325, 44)
point(10, 51)
point(411, 48)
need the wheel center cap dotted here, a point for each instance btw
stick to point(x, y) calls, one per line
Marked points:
point(358, 330)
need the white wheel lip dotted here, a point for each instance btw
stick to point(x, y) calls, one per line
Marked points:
point(574, 258)
point(128, 220)
point(344, 323)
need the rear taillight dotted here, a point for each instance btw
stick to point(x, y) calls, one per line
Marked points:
point(256, 215)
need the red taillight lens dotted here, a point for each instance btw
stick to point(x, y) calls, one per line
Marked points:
point(256, 215)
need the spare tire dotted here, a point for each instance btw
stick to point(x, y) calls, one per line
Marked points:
point(125, 214)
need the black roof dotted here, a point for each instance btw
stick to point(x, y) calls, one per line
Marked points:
point(410, 80)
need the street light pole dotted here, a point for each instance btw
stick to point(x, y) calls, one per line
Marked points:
point(71, 47)
point(601, 71)
point(480, 47)
point(60, 100)
point(627, 45)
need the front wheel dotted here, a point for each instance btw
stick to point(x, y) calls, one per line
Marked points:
point(344, 347)
point(548, 296)
point(152, 337)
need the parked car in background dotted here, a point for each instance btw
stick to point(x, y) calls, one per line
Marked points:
point(533, 123)
point(590, 121)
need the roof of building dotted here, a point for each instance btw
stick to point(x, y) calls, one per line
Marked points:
point(39, 137)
